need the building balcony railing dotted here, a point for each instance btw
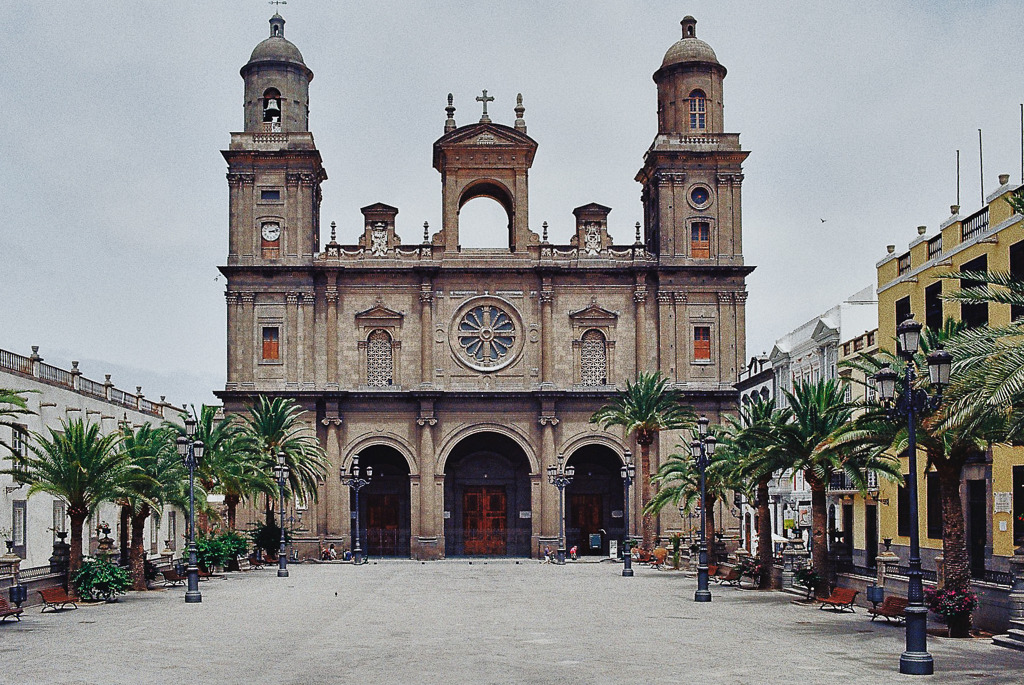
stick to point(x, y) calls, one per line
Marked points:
point(34, 367)
point(840, 483)
point(974, 225)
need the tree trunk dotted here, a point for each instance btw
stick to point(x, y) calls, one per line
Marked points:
point(231, 502)
point(820, 561)
point(647, 524)
point(764, 536)
point(709, 533)
point(269, 511)
point(122, 534)
point(78, 518)
point(137, 558)
point(956, 569)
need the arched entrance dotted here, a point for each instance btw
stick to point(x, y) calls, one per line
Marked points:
point(384, 523)
point(594, 500)
point(487, 498)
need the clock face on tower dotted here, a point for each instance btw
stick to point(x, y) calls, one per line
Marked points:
point(271, 232)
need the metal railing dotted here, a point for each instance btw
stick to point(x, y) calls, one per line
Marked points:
point(997, 577)
point(897, 570)
point(935, 247)
point(974, 225)
point(903, 265)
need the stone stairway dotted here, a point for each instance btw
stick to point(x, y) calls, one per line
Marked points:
point(1013, 638)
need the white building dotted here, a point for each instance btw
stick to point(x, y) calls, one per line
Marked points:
point(57, 395)
point(806, 354)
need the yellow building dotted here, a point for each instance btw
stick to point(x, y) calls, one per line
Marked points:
point(854, 517)
point(990, 239)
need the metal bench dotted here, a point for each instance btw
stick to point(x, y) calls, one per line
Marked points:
point(6, 611)
point(841, 599)
point(56, 598)
point(892, 608)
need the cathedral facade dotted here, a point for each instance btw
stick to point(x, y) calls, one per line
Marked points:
point(460, 375)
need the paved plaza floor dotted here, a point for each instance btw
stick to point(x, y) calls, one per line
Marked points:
point(485, 622)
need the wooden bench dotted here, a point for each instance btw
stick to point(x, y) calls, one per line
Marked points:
point(659, 557)
point(6, 611)
point(56, 598)
point(841, 599)
point(254, 562)
point(731, 577)
point(172, 578)
point(243, 563)
point(713, 572)
point(892, 608)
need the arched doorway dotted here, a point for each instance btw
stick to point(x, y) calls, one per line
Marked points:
point(594, 500)
point(384, 523)
point(487, 498)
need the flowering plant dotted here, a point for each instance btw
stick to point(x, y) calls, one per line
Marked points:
point(951, 603)
point(749, 566)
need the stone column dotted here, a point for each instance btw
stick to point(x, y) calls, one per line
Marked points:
point(547, 296)
point(545, 511)
point(666, 334)
point(426, 332)
point(304, 324)
point(643, 362)
point(291, 340)
point(427, 529)
point(681, 336)
point(332, 336)
point(332, 485)
point(248, 333)
point(233, 352)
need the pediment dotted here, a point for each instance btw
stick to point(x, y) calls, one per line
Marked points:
point(823, 331)
point(380, 313)
point(486, 135)
point(594, 313)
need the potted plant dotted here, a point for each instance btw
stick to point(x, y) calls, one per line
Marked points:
point(955, 606)
point(750, 566)
point(6, 534)
point(808, 578)
point(100, 580)
point(677, 541)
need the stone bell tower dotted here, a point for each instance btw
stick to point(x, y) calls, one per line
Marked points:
point(485, 159)
point(274, 168)
point(692, 172)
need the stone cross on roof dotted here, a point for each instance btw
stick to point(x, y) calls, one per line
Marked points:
point(278, 3)
point(485, 98)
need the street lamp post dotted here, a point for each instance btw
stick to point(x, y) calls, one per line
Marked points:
point(281, 472)
point(628, 473)
point(702, 450)
point(560, 476)
point(915, 659)
point(354, 480)
point(191, 453)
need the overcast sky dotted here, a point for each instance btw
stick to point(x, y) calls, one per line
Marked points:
point(115, 113)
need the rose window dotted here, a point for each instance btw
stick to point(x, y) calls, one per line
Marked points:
point(487, 335)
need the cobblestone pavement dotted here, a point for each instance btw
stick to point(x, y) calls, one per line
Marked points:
point(456, 622)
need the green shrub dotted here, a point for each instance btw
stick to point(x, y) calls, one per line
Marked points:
point(235, 545)
point(807, 577)
point(268, 538)
point(98, 579)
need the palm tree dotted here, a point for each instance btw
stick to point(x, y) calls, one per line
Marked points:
point(228, 466)
point(678, 481)
point(151, 451)
point(12, 405)
point(751, 436)
point(948, 446)
point(80, 466)
point(273, 426)
point(644, 409)
point(816, 410)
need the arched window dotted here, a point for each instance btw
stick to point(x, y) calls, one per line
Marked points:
point(272, 106)
point(593, 359)
point(698, 110)
point(379, 359)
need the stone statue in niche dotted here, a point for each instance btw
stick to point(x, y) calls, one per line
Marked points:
point(592, 237)
point(379, 239)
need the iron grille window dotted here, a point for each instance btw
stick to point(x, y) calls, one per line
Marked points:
point(935, 247)
point(379, 359)
point(903, 266)
point(593, 359)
